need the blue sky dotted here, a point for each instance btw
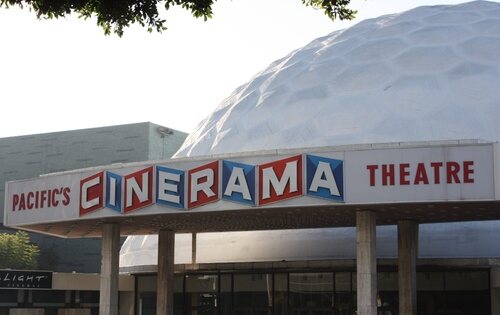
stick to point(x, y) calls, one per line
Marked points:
point(65, 74)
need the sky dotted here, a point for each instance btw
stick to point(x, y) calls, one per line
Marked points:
point(65, 74)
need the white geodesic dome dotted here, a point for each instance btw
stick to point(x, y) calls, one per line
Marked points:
point(431, 73)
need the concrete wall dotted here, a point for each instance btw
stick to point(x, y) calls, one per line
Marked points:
point(126, 306)
point(87, 281)
point(26, 311)
point(73, 311)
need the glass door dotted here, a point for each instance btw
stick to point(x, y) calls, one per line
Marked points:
point(253, 294)
point(201, 294)
point(311, 293)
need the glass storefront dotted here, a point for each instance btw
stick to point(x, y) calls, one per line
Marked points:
point(315, 293)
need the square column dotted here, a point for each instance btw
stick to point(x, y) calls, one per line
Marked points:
point(193, 248)
point(407, 267)
point(110, 252)
point(165, 277)
point(366, 263)
point(495, 290)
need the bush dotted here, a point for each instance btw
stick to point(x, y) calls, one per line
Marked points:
point(17, 252)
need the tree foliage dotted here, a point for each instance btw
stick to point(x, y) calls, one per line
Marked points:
point(17, 252)
point(115, 15)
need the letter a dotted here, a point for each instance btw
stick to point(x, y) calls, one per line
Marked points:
point(323, 177)
point(237, 183)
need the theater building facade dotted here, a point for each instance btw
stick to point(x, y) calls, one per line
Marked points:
point(269, 203)
point(357, 175)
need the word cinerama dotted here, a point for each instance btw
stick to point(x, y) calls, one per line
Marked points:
point(254, 185)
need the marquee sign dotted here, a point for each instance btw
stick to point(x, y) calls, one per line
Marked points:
point(292, 178)
point(15, 279)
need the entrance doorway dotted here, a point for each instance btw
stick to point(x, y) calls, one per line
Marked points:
point(201, 294)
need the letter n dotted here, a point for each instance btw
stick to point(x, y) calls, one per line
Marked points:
point(138, 189)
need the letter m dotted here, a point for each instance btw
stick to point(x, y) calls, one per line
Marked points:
point(280, 180)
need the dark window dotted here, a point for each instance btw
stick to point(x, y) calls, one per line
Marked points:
point(311, 292)
point(201, 294)
point(226, 296)
point(345, 304)
point(430, 281)
point(41, 297)
point(89, 297)
point(253, 294)
point(147, 303)
point(8, 296)
point(281, 294)
point(146, 295)
point(466, 280)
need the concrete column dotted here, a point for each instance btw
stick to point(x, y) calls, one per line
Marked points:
point(366, 262)
point(495, 301)
point(495, 290)
point(165, 282)
point(110, 251)
point(407, 267)
point(193, 248)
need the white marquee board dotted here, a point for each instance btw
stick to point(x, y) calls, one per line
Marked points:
point(294, 178)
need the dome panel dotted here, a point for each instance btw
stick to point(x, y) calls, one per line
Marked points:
point(440, 35)
point(453, 18)
point(377, 50)
point(485, 49)
point(358, 78)
point(396, 29)
point(427, 59)
point(486, 27)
